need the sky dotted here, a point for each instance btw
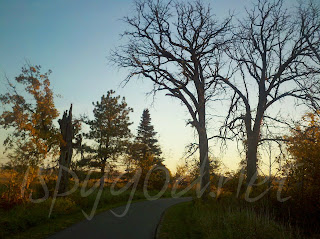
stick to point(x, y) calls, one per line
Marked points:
point(74, 38)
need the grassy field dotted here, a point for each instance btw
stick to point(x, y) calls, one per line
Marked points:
point(24, 219)
point(224, 219)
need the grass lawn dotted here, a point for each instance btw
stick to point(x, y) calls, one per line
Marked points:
point(220, 220)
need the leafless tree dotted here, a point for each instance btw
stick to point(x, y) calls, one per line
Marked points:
point(177, 46)
point(273, 59)
point(309, 18)
point(66, 149)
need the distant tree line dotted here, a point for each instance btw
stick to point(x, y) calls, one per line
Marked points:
point(29, 112)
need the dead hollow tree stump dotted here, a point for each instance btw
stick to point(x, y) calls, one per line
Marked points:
point(66, 148)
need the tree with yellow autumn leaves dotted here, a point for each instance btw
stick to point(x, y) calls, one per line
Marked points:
point(28, 115)
point(29, 111)
point(303, 145)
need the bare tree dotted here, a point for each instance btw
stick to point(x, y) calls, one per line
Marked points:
point(177, 46)
point(66, 149)
point(309, 18)
point(272, 56)
point(69, 129)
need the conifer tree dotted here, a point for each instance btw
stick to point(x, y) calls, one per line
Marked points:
point(109, 130)
point(146, 139)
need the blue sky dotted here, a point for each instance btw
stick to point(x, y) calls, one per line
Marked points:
point(73, 39)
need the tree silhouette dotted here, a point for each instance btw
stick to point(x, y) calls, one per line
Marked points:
point(68, 130)
point(178, 47)
point(109, 130)
point(146, 137)
point(272, 56)
point(309, 17)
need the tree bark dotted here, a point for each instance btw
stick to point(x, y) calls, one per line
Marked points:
point(103, 169)
point(204, 162)
point(66, 151)
point(252, 149)
point(253, 136)
point(203, 149)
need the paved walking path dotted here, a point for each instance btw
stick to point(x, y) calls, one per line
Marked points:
point(140, 222)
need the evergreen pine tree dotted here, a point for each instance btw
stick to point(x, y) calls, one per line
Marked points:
point(109, 129)
point(146, 138)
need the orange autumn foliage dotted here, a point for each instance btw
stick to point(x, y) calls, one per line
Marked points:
point(30, 111)
point(304, 172)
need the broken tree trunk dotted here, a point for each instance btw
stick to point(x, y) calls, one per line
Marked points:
point(66, 129)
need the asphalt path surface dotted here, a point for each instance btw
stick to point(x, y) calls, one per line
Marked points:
point(140, 222)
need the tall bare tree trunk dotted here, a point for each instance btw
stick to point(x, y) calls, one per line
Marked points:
point(252, 149)
point(66, 129)
point(253, 137)
point(203, 148)
point(204, 162)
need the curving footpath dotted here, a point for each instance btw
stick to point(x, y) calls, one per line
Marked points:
point(140, 222)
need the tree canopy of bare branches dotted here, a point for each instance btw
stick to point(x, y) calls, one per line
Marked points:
point(309, 17)
point(274, 53)
point(178, 46)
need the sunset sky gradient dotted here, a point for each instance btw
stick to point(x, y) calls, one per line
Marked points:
point(74, 39)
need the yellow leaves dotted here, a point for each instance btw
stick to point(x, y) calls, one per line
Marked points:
point(32, 116)
point(18, 185)
point(304, 166)
point(304, 142)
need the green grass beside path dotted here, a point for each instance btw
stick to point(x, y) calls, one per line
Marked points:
point(219, 220)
